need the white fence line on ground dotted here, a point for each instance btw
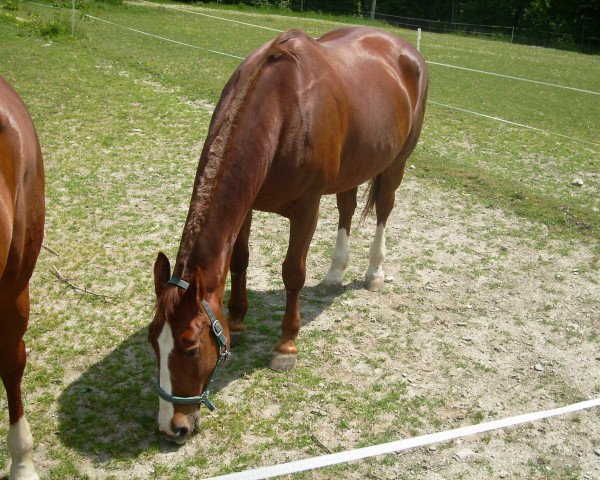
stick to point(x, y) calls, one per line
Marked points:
point(163, 38)
point(401, 445)
point(522, 79)
point(498, 119)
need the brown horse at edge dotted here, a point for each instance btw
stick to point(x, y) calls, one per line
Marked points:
point(21, 233)
point(298, 119)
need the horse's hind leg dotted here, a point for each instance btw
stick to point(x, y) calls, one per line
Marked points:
point(303, 220)
point(238, 301)
point(389, 181)
point(346, 204)
point(13, 323)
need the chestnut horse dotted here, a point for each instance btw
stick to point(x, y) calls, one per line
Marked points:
point(21, 232)
point(298, 119)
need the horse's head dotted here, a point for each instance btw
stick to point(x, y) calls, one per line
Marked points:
point(189, 344)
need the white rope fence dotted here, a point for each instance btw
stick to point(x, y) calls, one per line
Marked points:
point(401, 445)
point(509, 122)
point(495, 74)
point(165, 39)
point(510, 77)
point(490, 117)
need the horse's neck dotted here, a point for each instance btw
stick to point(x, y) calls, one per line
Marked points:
point(223, 193)
point(232, 168)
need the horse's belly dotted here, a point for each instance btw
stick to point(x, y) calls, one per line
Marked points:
point(363, 162)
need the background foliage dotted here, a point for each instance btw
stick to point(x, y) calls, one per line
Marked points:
point(566, 23)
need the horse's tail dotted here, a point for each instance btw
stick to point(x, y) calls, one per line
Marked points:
point(374, 186)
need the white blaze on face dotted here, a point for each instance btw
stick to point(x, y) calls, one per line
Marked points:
point(339, 259)
point(20, 445)
point(165, 409)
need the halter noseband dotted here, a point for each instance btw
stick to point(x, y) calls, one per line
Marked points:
point(224, 354)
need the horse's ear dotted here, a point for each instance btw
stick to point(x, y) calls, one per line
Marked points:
point(200, 287)
point(162, 272)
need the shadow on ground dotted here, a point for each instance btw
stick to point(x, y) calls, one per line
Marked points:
point(109, 412)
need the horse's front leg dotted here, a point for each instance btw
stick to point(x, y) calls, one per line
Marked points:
point(303, 221)
point(13, 323)
point(238, 301)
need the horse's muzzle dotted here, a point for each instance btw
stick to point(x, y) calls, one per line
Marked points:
point(182, 426)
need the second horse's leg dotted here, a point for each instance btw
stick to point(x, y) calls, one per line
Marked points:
point(14, 317)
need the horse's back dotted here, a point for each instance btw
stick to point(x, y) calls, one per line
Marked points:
point(385, 82)
point(21, 191)
point(385, 74)
point(325, 115)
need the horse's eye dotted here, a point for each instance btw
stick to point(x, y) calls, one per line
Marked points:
point(191, 353)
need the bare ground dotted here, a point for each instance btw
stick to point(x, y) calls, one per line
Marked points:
point(483, 316)
point(481, 312)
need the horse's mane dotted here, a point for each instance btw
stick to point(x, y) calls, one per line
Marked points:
point(284, 46)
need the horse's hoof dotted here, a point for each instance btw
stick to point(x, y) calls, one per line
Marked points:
point(327, 288)
point(23, 472)
point(236, 339)
point(374, 283)
point(332, 280)
point(283, 362)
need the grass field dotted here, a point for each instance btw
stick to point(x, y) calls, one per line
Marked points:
point(489, 236)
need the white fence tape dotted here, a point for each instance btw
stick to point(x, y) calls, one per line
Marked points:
point(398, 446)
point(509, 122)
point(195, 12)
point(165, 39)
point(511, 77)
point(491, 117)
point(522, 79)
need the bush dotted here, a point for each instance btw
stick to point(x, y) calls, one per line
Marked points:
point(11, 4)
point(56, 26)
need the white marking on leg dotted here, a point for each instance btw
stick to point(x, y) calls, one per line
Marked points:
point(20, 446)
point(165, 409)
point(339, 259)
point(376, 256)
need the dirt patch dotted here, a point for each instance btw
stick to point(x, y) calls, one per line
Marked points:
point(483, 317)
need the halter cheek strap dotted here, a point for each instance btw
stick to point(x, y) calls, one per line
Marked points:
point(224, 354)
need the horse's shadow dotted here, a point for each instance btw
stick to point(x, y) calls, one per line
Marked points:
point(109, 412)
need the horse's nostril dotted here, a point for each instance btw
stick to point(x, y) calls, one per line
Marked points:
point(182, 432)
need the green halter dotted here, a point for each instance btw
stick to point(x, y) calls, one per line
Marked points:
point(224, 354)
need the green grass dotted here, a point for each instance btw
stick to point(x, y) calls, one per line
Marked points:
point(122, 117)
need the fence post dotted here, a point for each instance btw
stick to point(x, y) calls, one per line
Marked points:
point(72, 17)
point(418, 39)
point(302, 6)
point(512, 35)
point(373, 9)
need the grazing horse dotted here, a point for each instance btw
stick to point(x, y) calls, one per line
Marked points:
point(21, 232)
point(298, 119)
